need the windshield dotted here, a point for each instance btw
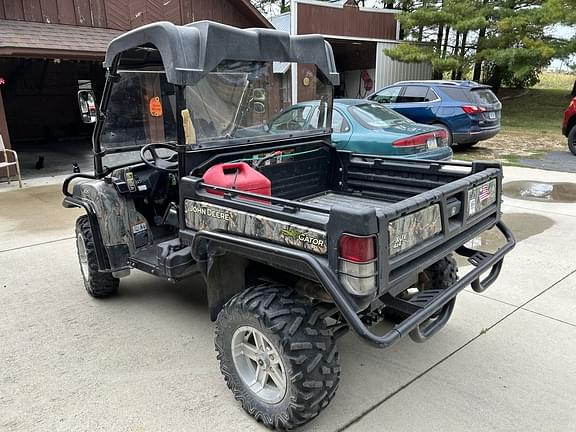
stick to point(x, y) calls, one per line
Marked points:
point(141, 110)
point(376, 116)
point(253, 100)
point(238, 100)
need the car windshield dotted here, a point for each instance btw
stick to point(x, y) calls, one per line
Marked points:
point(376, 116)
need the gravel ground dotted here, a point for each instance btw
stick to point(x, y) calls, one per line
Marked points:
point(545, 151)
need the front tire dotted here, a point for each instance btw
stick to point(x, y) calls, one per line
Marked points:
point(277, 356)
point(98, 284)
point(572, 140)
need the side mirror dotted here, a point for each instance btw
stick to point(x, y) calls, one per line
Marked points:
point(87, 103)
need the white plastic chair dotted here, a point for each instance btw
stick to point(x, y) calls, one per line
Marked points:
point(6, 162)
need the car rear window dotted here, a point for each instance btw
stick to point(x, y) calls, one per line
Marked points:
point(484, 96)
point(376, 116)
point(458, 94)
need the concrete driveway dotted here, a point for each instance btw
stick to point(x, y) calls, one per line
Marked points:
point(144, 360)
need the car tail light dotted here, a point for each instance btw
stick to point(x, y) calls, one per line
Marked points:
point(357, 249)
point(414, 141)
point(473, 109)
point(357, 264)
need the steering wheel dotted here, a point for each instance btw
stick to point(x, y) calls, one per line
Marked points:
point(168, 164)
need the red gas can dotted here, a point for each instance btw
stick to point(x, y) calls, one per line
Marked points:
point(237, 175)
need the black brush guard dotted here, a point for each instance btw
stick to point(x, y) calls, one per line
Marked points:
point(418, 325)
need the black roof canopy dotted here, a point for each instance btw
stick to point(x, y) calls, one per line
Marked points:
point(191, 51)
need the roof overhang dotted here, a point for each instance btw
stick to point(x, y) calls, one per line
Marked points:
point(41, 40)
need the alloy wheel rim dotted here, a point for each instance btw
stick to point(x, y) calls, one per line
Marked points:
point(259, 364)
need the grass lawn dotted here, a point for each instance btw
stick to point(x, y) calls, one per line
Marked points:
point(536, 110)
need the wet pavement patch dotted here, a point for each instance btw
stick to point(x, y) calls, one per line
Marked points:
point(541, 191)
point(523, 225)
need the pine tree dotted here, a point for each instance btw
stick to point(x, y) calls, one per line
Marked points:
point(507, 38)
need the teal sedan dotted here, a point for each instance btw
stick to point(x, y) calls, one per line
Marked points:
point(367, 127)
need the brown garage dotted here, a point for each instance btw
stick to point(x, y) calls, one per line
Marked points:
point(51, 49)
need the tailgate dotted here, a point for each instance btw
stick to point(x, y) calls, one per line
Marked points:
point(418, 231)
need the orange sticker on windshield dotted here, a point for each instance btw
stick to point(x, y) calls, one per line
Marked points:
point(155, 107)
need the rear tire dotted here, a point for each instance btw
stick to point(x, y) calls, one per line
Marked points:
point(440, 275)
point(98, 284)
point(303, 375)
point(572, 140)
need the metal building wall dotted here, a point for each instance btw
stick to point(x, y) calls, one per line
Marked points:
point(389, 71)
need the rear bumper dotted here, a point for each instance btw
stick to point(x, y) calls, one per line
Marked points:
point(438, 154)
point(417, 325)
point(475, 136)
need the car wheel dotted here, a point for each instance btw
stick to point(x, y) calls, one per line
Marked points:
point(448, 131)
point(572, 140)
point(277, 356)
point(98, 284)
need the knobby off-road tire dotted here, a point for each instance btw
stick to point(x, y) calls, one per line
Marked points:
point(572, 140)
point(440, 275)
point(98, 284)
point(295, 331)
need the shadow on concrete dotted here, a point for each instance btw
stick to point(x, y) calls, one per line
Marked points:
point(58, 158)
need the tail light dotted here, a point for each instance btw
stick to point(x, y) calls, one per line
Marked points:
point(473, 109)
point(414, 141)
point(357, 263)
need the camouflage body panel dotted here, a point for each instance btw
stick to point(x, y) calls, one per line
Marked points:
point(118, 219)
point(481, 197)
point(410, 230)
point(209, 217)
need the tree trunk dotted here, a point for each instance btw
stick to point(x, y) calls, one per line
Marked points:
point(478, 65)
point(439, 38)
point(462, 56)
point(445, 47)
point(495, 80)
point(455, 53)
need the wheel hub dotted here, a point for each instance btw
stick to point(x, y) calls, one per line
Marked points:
point(259, 364)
